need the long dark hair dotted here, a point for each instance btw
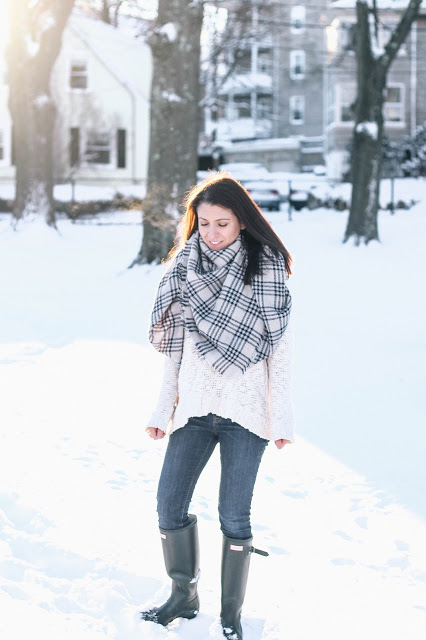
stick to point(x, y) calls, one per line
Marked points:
point(220, 189)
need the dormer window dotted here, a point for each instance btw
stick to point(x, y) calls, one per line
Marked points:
point(78, 75)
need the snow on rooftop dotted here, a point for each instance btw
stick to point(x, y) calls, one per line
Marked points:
point(129, 58)
point(247, 82)
point(264, 143)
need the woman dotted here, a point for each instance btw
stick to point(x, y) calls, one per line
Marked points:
point(221, 316)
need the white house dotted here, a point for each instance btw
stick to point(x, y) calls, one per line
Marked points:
point(101, 85)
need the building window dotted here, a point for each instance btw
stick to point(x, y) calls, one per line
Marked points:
point(78, 75)
point(74, 146)
point(98, 147)
point(347, 101)
point(264, 64)
point(121, 148)
point(242, 106)
point(394, 103)
point(264, 107)
point(297, 109)
point(297, 19)
point(243, 61)
point(297, 64)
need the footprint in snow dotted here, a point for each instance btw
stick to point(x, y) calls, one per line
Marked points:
point(341, 562)
point(15, 592)
point(279, 551)
point(22, 517)
point(362, 522)
point(343, 535)
point(297, 495)
point(205, 516)
point(400, 563)
point(401, 545)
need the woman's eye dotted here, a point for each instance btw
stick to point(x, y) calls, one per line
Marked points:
point(222, 225)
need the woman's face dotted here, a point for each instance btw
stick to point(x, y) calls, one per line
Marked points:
point(219, 227)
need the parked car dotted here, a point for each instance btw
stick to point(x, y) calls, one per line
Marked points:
point(298, 198)
point(265, 194)
point(304, 193)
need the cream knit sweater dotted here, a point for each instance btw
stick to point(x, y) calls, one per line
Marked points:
point(259, 399)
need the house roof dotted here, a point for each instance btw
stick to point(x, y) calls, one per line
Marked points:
point(126, 57)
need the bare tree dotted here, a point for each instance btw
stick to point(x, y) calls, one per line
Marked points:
point(35, 39)
point(109, 10)
point(372, 71)
point(175, 45)
point(228, 44)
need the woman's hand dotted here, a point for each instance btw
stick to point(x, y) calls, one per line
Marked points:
point(281, 443)
point(154, 433)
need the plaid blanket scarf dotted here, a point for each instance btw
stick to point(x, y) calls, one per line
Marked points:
point(234, 325)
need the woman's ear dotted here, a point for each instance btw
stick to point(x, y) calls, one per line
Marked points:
point(242, 226)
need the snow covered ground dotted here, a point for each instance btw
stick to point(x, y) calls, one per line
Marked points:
point(342, 511)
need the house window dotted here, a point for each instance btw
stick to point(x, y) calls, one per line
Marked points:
point(78, 75)
point(98, 147)
point(394, 103)
point(220, 107)
point(330, 103)
point(297, 109)
point(121, 148)
point(297, 19)
point(5, 146)
point(297, 64)
point(74, 146)
point(242, 106)
point(347, 102)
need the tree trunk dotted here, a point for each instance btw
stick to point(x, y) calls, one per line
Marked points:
point(105, 14)
point(175, 92)
point(366, 162)
point(367, 136)
point(35, 41)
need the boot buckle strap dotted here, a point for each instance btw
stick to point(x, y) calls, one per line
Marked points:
point(260, 552)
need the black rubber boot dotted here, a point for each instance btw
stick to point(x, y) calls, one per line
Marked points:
point(182, 558)
point(235, 569)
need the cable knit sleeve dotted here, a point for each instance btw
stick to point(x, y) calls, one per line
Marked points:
point(167, 396)
point(280, 387)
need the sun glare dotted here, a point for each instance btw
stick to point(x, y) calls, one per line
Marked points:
point(3, 24)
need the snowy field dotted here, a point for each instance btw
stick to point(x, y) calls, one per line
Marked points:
point(342, 511)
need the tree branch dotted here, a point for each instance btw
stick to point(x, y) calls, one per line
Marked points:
point(400, 33)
